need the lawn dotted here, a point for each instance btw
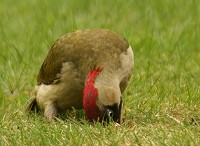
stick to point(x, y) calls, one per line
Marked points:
point(162, 101)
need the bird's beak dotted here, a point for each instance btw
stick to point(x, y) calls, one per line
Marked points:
point(120, 111)
point(113, 112)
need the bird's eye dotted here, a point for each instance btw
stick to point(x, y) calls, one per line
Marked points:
point(110, 113)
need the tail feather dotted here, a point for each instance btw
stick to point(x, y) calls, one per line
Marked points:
point(33, 106)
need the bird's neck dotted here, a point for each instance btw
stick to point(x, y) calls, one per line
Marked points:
point(90, 94)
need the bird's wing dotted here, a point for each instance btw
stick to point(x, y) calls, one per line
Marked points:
point(52, 65)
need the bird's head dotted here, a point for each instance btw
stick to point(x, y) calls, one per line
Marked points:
point(101, 103)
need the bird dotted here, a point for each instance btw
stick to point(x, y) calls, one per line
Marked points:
point(85, 69)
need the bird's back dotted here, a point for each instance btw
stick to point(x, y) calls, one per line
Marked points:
point(84, 49)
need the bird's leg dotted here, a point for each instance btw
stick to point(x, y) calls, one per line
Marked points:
point(50, 111)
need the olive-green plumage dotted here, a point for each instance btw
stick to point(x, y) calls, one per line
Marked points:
point(85, 49)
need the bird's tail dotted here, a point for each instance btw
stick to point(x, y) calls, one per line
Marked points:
point(33, 106)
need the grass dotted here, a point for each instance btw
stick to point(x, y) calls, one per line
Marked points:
point(164, 93)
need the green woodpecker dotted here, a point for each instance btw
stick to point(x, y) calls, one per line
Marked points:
point(87, 69)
